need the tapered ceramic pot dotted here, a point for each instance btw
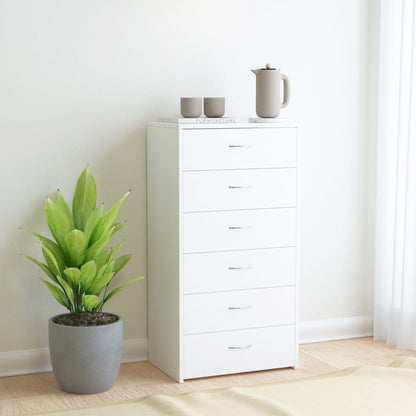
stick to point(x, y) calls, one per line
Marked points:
point(85, 359)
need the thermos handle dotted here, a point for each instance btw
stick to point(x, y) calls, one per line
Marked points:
point(286, 90)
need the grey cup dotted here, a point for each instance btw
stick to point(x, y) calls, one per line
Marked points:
point(191, 106)
point(214, 106)
point(85, 359)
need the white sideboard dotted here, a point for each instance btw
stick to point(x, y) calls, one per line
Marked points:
point(222, 247)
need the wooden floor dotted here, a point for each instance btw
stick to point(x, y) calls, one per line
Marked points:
point(35, 393)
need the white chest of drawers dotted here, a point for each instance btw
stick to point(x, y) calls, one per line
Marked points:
point(222, 247)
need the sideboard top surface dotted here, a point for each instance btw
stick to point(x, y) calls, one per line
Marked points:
point(191, 126)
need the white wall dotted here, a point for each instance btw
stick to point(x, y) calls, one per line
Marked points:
point(79, 79)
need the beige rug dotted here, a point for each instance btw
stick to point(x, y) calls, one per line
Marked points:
point(357, 391)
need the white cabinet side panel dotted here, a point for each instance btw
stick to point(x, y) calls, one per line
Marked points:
point(163, 235)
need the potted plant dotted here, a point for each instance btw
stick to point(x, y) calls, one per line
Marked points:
point(85, 344)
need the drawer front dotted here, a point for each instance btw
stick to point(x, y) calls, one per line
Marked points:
point(239, 230)
point(237, 270)
point(240, 309)
point(212, 149)
point(239, 351)
point(239, 189)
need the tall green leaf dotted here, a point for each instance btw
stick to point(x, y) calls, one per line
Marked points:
point(106, 222)
point(74, 276)
point(58, 294)
point(102, 259)
point(99, 284)
point(109, 268)
point(50, 260)
point(92, 221)
point(121, 262)
point(98, 247)
point(115, 250)
point(98, 275)
point(61, 203)
point(88, 272)
point(57, 221)
point(115, 291)
point(118, 226)
point(67, 289)
point(85, 197)
point(53, 247)
point(75, 245)
point(44, 268)
point(89, 301)
point(100, 271)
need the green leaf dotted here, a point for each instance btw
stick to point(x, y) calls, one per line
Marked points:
point(88, 272)
point(66, 288)
point(101, 271)
point(115, 250)
point(103, 258)
point(106, 222)
point(115, 291)
point(61, 203)
point(57, 221)
point(54, 249)
point(44, 268)
point(85, 197)
point(50, 260)
point(109, 267)
point(121, 262)
point(74, 276)
point(58, 294)
point(118, 226)
point(89, 301)
point(100, 283)
point(97, 248)
point(92, 221)
point(75, 244)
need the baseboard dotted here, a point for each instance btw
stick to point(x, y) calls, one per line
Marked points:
point(134, 350)
point(24, 362)
point(334, 329)
point(37, 360)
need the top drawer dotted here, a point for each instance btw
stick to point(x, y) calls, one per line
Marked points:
point(211, 149)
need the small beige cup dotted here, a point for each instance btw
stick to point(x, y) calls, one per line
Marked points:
point(191, 106)
point(214, 106)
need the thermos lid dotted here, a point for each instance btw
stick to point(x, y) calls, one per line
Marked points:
point(268, 68)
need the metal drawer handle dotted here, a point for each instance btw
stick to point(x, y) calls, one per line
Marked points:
point(231, 227)
point(243, 347)
point(245, 146)
point(240, 307)
point(239, 187)
point(240, 268)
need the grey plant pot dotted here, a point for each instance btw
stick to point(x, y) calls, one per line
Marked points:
point(85, 360)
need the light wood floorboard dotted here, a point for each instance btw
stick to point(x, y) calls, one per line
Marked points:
point(35, 393)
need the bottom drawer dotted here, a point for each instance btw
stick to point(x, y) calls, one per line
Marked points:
point(239, 351)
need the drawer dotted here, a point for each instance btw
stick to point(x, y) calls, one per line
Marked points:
point(239, 230)
point(240, 309)
point(212, 149)
point(239, 351)
point(239, 189)
point(237, 270)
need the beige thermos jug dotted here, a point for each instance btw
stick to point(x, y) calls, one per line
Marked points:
point(268, 84)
